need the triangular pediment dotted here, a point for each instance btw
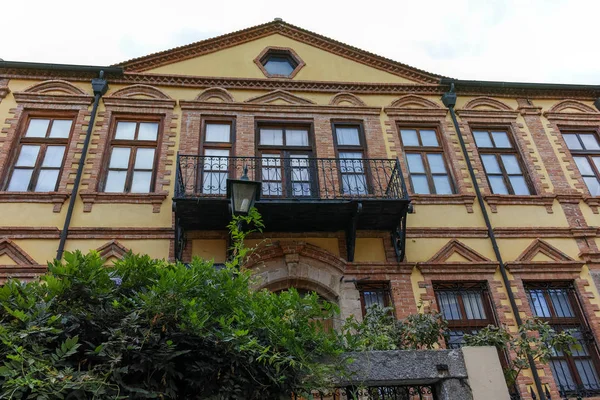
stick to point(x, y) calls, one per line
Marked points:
point(541, 251)
point(232, 55)
point(112, 250)
point(456, 251)
point(279, 97)
point(11, 254)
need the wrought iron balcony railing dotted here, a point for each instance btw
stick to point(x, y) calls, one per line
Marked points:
point(295, 177)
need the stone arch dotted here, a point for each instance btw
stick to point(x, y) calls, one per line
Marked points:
point(283, 264)
point(570, 106)
point(217, 93)
point(345, 97)
point(55, 87)
point(413, 101)
point(487, 102)
point(145, 91)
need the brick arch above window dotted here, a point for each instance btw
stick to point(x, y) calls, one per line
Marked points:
point(572, 106)
point(146, 91)
point(63, 87)
point(412, 101)
point(215, 93)
point(487, 102)
point(346, 99)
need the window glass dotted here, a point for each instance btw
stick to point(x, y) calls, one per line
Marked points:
point(501, 140)
point(61, 128)
point(141, 181)
point(115, 181)
point(473, 305)
point(519, 185)
point(584, 166)
point(491, 164)
point(436, 163)
point(54, 156)
point(482, 139)
point(429, 138)
point(498, 185)
point(347, 136)
point(219, 133)
point(119, 157)
point(279, 65)
point(409, 137)
point(442, 184)
point(20, 179)
point(271, 137)
point(125, 130)
point(148, 131)
point(415, 163)
point(46, 181)
point(572, 142)
point(589, 141)
point(296, 137)
point(28, 156)
point(144, 158)
point(449, 305)
point(511, 165)
point(37, 128)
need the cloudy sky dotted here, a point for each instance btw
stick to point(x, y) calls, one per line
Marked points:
point(510, 40)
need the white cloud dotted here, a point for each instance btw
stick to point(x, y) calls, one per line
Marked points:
point(510, 40)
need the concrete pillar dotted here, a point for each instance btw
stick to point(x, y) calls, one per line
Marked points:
point(455, 389)
point(486, 378)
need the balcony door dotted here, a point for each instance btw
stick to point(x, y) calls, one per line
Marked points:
point(286, 161)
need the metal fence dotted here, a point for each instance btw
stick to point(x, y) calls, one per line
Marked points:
point(292, 177)
point(401, 392)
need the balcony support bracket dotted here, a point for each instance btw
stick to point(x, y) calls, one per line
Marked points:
point(399, 238)
point(351, 232)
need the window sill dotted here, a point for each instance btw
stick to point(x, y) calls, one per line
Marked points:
point(90, 198)
point(56, 198)
point(495, 200)
point(444, 199)
point(592, 202)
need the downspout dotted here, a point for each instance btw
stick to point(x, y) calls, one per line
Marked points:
point(99, 86)
point(449, 100)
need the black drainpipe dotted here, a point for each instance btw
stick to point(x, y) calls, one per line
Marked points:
point(449, 100)
point(99, 86)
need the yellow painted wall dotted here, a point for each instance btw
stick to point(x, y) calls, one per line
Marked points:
point(210, 249)
point(329, 244)
point(238, 62)
point(369, 249)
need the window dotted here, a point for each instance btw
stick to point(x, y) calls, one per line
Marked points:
point(426, 163)
point(279, 62)
point(466, 307)
point(286, 166)
point(349, 143)
point(585, 149)
point(374, 294)
point(557, 304)
point(217, 140)
point(132, 157)
point(40, 155)
point(501, 162)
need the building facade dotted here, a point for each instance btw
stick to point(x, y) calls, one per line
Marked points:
point(367, 195)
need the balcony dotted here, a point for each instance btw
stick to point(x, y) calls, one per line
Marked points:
point(299, 194)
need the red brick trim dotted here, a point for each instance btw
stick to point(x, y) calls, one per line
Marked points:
point(540, 246)
point(54, 91)
point(288, 249)
point(411, 101)
point(458, 268)
point(278, 95)
point(487, 102)
point(90, 198)
point(571, 104)
point(443, 199)
point(17, 254)
point(527, 268)
point(44, 232)
point(345, 97)
point(101, 138)
point(4, 90)
point(56, 198)
point(494, 200)
point(215, 93)
point(307, 109)
point(271, 49)
point(112, 249)
point(134, 91)
point(455, 246)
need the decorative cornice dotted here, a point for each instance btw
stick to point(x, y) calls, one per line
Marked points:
point(487, 114)
point(539, 246)
point(24, 97)
point(18, 255)
point(416, 112)
point(456, 268)
point(56, 198)
point(139, 103)
point(278, 27)
point(215, 93)
point(44, 232)
point(494, 200)
point(592, 202)
point(444, 199)
point(4, 90)
point(537, 268)
point(277, 108)
point(487, 102)
point(112, 249)
point(156, 199)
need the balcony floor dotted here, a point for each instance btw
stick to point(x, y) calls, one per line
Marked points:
point(295, 215)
